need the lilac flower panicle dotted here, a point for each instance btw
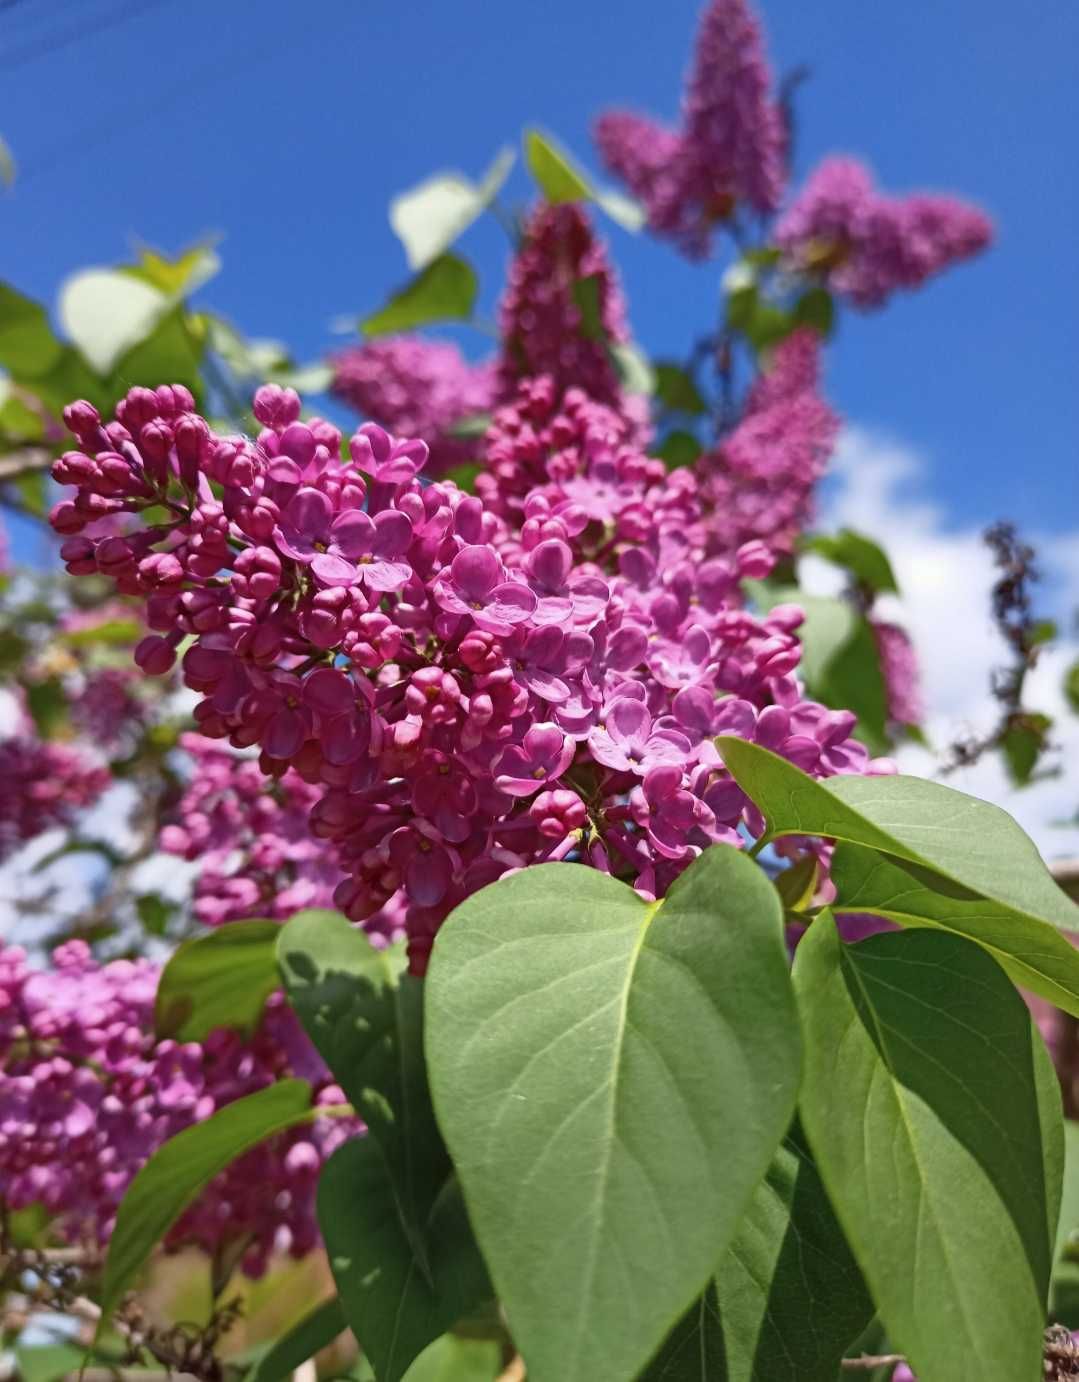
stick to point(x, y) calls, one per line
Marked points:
point(542, 319)
point(450, 687)
point(762, 478)
point(730, 150)
point(865, 245)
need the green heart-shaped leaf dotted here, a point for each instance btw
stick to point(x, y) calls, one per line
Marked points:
point(612, 1077)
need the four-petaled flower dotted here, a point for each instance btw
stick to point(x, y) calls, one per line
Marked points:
point(539, 759)
point(476, 585)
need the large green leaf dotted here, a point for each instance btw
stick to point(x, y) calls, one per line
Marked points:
point(394, 1304)
point(936, 1126)
point(787, 1299)
point(27, 344)
point(966, 841)
point(1035, 955)
point(444, 291)
point(107, 312)
point(367, 1022)
point(180, 1170)
point(221, 979)
point(428, 218)
point(310, 1334)
point(587, 1050)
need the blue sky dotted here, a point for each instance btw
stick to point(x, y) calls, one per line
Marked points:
point(288, 127)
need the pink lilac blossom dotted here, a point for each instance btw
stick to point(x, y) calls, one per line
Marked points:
point(43, 785)
point(419, 683)
point(560, 268)
point(87, 1093)
point(731, 148)
point(865, 245)
point(417, 388)
point(249, 835)
point(761, 478)
point(901, 673)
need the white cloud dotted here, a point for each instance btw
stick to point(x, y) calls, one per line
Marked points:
point(945, 573)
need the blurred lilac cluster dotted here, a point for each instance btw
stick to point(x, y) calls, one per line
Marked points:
point(730, 150)
point(87, 1093)
point(865, 245)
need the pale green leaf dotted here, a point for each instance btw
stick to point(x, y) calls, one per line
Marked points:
point(1036, 956)
point(634, 369)
point(28, 347)
point(453, 1359)
point(428, 218)
point(8, 167)
point(107, 312)
point(559, 179)
point(930, 1109)
point(623, 210)
point(592, 1134)
point(366, 1021)
point(310, 1334)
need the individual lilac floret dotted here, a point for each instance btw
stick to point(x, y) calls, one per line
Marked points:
point(476, 585)
point(538, 761)
point(865, 245)
point(626, 740)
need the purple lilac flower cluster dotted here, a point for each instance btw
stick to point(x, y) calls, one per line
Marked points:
point(469, 694)
point(87, 1094)
point(760, 480)
point(416, 388)
point(559, 278)
point(43, 784)
point(249, 834)
point(730, 151)
point(865, 245)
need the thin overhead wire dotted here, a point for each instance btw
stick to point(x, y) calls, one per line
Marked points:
point(90, 136)
point(14, 59)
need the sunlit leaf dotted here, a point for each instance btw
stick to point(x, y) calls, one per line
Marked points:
point(444, 291)
point(990, 882)
point(106, 313)
point(592, 1135)
point(428, 218)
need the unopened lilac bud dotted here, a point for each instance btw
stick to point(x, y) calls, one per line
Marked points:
point(276, 407)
